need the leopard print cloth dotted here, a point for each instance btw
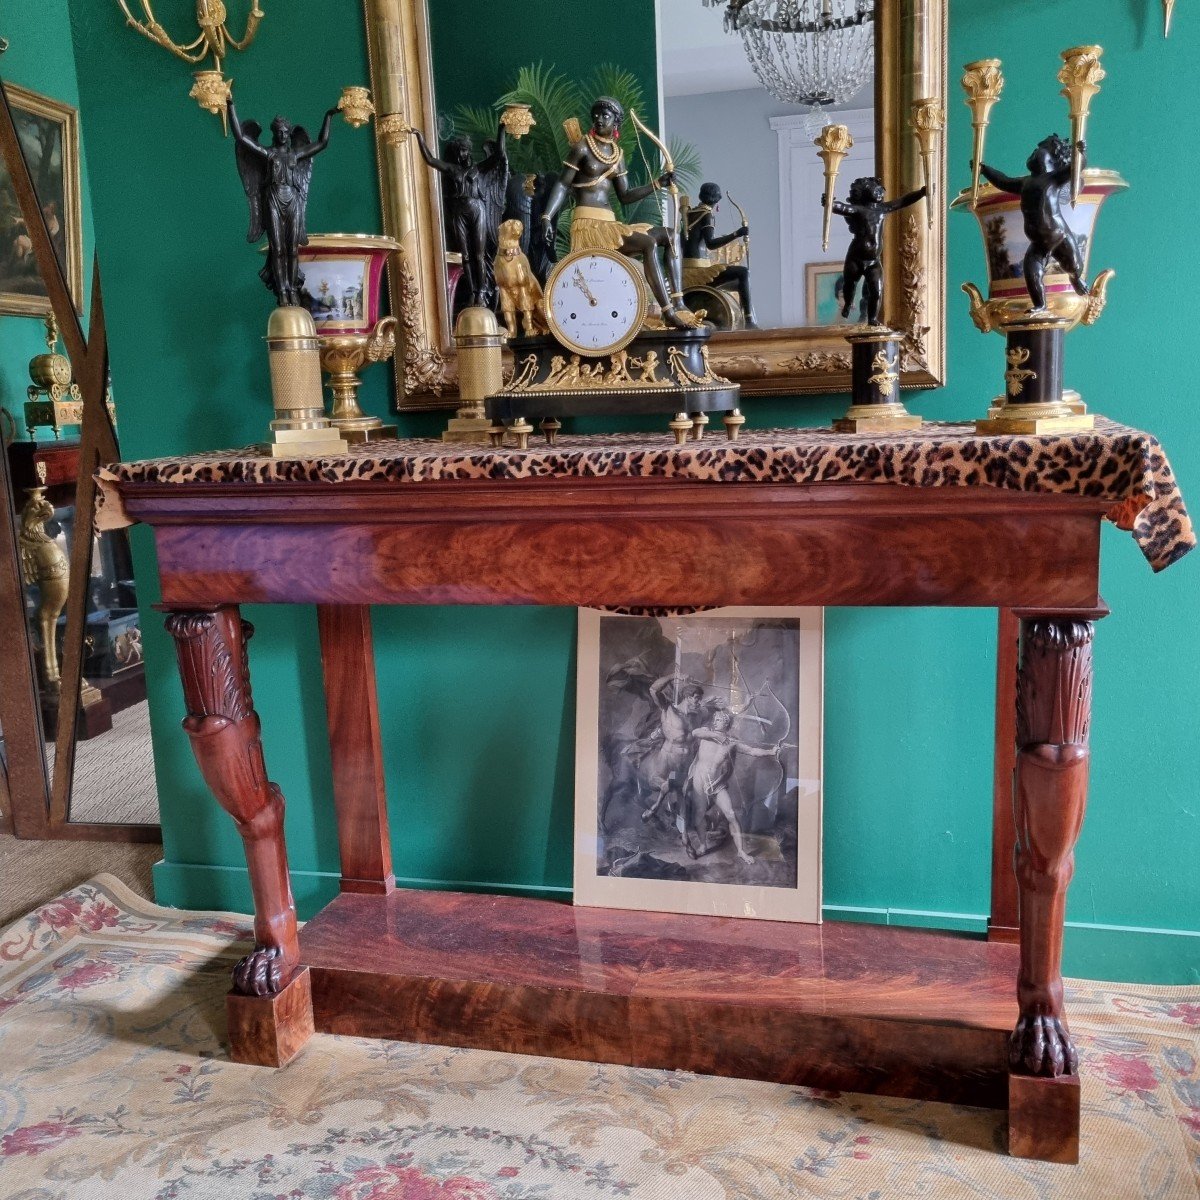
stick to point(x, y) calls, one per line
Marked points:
point(1114, 463)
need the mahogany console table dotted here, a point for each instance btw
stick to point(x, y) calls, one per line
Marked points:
point(939, 517)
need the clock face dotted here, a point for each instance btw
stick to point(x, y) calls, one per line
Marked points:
point(595, 301)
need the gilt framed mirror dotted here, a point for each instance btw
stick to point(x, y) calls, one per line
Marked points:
point(730, 125)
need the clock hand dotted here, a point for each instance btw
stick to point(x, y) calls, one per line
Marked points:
point(581, 284)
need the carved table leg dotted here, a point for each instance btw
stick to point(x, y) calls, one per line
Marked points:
point(1054, 702)
point(224, 731)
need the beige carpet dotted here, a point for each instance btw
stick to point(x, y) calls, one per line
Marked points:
point(114, 773)
point(34, 872)
point(114, 1083)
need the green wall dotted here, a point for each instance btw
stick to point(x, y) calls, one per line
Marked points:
point(30, 29)
point(477, 704)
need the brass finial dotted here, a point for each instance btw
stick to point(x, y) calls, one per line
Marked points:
point(1080, 76)
point(928, 121)
point(983, 82)
point(833, 143)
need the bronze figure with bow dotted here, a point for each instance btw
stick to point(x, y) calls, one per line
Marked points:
point(594, 172)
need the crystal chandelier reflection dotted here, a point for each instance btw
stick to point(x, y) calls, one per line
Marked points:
point(816, 53)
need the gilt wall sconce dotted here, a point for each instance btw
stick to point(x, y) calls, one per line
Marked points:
point(211, 88)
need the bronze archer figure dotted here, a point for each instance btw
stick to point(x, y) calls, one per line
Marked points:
point(596, 170)
point(699, 237)
point(276, 179)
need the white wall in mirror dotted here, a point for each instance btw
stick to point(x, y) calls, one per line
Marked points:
point(753, 146)
point(801, 184)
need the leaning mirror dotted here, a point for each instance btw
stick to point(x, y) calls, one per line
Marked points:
point(74, 720)
point(736, 92)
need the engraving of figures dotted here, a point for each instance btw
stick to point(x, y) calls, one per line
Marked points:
point(698, 761)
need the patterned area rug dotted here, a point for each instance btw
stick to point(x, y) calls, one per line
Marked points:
point(114, 1083)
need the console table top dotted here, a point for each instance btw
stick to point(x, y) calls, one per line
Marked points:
point(1115, 462)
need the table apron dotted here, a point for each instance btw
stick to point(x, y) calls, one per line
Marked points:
point(1046, 560)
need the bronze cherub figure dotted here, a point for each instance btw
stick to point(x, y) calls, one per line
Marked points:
point(1041, 193)
point(276, 179)
point(864, 215)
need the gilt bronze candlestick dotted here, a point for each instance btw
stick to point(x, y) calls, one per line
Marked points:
point(1080, 76)
point(1037, 247)
point(833, 144)
point(875, 405)
point(983, 81)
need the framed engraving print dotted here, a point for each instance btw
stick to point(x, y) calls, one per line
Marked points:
point(49, 133)
point(698, 763)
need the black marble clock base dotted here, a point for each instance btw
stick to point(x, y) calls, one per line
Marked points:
point(660, 371)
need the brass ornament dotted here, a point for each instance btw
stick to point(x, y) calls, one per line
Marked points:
point(884, 378)
point(620, 372)
point(518, 120)
point(520, 292)
point(833, 143)
point(300, 428)
point(983, 82)
point(480, 341)
point(45, 566)
point(1017, 373)
point(393, 130)
point(342, 357)
point(928, 122)
point(53, 398)
point(356, 107)
point(1168, 13)
point(1080, 76)
point(210, 89)
point(913, 350)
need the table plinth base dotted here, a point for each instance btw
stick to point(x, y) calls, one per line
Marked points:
point(845, 1007)
point(269, 1031)
point(1043, 1118)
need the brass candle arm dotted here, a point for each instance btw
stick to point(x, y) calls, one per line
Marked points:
point(211, 88)
point(983, 82)
point(1080, 76)
point(928, 122)
point(833, 143)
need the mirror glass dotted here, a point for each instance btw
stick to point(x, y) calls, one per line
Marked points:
point(85, 634)
point(748, 144)
point(743, 88)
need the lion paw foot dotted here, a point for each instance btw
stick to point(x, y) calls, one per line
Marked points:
point(1041, 1046)
point(259, 973)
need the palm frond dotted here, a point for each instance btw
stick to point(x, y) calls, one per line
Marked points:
point(477, 121)
point(554, 98)
point(608, 79)
point(689, 169)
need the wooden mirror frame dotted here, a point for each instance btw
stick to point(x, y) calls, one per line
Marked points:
point(910, 64)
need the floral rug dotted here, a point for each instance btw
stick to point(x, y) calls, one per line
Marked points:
point(114, 1083)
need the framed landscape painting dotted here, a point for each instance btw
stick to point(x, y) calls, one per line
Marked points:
point(698, 763)
point(49, 133)
point(824, 296)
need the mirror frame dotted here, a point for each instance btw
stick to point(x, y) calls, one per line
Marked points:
point(910, 49)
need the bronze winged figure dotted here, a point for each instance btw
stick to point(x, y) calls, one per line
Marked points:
point(277, 179)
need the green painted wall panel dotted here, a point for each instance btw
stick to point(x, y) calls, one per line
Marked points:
point(478, 704)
